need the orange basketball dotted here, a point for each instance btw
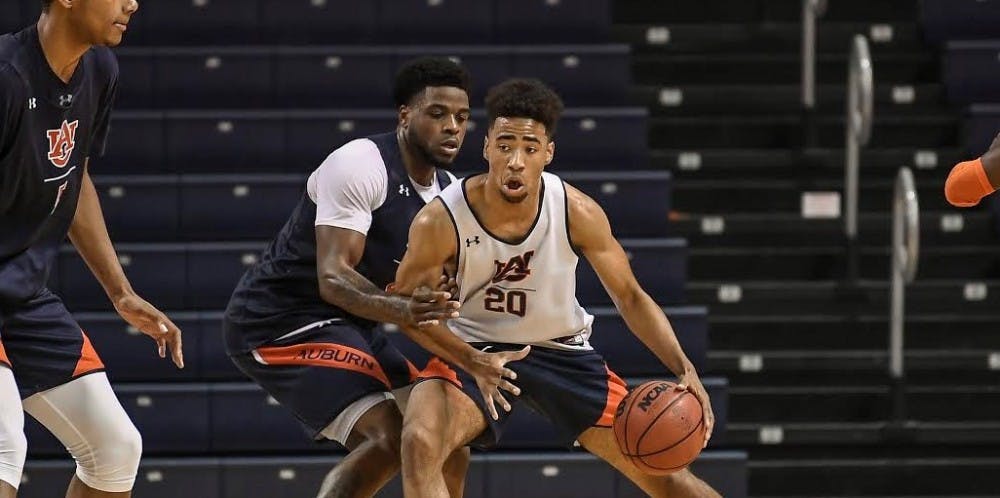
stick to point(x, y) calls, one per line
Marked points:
point(660, 428)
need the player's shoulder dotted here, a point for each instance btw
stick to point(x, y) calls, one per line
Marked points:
point(357, 158)
point(103, 66)
point(105, 61)
point(13, 85)
point(13, 79)
point(10, 46)
point(581, 208)
point(358, 154)
point(433, 219)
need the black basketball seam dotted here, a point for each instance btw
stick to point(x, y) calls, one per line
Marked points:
point(653, 422)
point(700, 423)
point(628, 409)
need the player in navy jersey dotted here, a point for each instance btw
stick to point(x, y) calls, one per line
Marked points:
point(58, 80)
point(301, 322)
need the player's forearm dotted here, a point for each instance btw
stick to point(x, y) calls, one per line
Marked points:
point(647, 321)
point(440, 341)
point(89, 235)
point(352, 292)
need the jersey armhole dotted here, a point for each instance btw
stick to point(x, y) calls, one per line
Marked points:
point(569, 237)
point(458, 240)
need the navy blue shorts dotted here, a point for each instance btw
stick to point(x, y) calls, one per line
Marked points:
point(44, 346)
point(318, 373)
point(575, 390)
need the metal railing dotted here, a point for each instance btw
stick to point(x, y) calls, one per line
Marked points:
point(905, 253)
point(858, 126)
point(811, 10)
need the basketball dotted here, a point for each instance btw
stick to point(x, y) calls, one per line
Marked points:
point(660, 428)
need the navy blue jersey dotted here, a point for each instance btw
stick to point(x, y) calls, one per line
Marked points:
point(281, 292)
point(48, 129)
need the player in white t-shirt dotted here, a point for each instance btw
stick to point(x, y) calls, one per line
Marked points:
point(512, 236)
point(302, 320)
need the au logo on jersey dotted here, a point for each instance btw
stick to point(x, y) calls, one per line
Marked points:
point(514, 270)
point(61, 143)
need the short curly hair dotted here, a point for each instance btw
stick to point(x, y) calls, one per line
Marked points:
point(416, 75)
point(45, 5)
point(525, 98)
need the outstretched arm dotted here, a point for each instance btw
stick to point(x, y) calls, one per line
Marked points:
point(338, 252)
point(970, 181)
point(347, 188)
point(89, 235)
point(591, 234)
point(431, 247)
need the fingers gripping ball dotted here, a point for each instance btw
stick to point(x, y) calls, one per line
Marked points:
point(660, 428)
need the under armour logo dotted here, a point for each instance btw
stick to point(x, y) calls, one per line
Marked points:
point(472, 240)
point(66, 100)
point(404, 190)
point(32, 103)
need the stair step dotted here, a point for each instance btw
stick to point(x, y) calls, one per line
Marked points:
point(817, 300)
point(818, 404)
point(829, 263)
point(874, 477)
point(692, 100)
point(748, 37)
point(825, 438)
point(791, 229)
point(829, 332)
point(676, 70)
point(722, 11)
point(930, 131)
point(820, 164)
point(784, 195)
point(869, 360)
point(857, 377)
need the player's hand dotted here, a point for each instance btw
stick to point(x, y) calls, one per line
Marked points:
point(152, 322)
point(691, 382)
point(431, 307)
point(448, 284)
point(491, 374)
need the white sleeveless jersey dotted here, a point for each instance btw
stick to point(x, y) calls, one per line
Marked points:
point(518, 293)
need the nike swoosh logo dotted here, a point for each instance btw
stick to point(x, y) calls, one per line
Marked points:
point(398, 262)
point(486, 348)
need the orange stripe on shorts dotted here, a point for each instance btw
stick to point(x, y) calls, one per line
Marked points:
point(89, 361)
point(3, 355)
point(329, 355)
point(438, 369)
point(414, 372)
point(616, 393)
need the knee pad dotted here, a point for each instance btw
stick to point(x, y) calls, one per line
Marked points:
point(13, 445)
point(13, 451)
point(111, 465)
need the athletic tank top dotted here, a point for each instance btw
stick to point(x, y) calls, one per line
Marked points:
point(523, 293)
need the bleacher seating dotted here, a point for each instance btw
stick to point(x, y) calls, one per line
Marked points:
point(352, 76)
point(241, 142)
point(325, 22)
point(982, 126)
point(491, 475)
point(969, 69)
point(161, 208)
point(225, 107)
point(945, 20)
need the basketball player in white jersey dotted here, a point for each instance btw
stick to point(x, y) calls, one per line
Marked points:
point(513, 236)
